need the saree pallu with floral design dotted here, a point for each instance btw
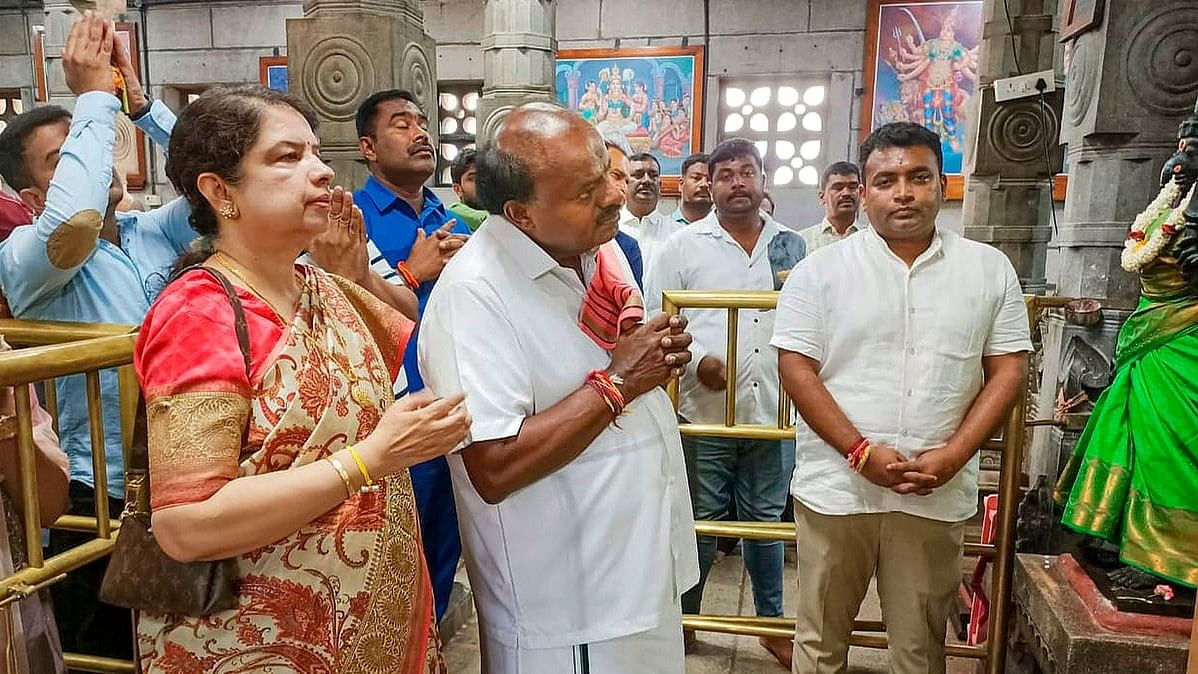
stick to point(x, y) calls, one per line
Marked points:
point(1133, 477)
point(349, 591)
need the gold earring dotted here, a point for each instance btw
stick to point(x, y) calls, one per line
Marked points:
point(228, 211)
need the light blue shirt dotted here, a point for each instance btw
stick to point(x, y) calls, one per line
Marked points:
point(112, 285)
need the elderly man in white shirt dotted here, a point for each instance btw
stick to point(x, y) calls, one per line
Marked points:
point(640, 218)
point(736, 247)
point(903, 347)
point(840, 194)
point(571, 489)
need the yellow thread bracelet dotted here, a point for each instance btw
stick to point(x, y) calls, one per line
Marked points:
point(370, 485)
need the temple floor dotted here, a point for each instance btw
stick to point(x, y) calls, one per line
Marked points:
point(728, 592)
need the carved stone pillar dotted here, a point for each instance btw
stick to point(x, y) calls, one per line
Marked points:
point(519, 50)
point(342, 51)
point(1130, 81)
point(1008, 194)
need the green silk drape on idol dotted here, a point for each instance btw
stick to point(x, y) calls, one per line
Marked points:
point(1133, 477)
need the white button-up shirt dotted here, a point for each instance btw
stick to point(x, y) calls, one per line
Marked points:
point(824, 234)
point(900, 349)
point(704, 256)
point(587, 553)
point(651, 232)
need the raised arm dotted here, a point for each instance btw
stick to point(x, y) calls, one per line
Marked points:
point(37, 262)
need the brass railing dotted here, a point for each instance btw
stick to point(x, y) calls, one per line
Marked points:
point(54, 350)
point(866, 633)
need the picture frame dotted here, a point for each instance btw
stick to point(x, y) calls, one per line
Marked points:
point(902, 83)
point(1079, 16)
point(649, 98)
point(272, 72)
point(40, 92)
point(130, 150)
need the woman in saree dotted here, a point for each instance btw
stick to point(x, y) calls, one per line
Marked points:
point(1134, 473)
point(289, 458)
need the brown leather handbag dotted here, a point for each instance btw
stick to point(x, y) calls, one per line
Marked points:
point(140, 575)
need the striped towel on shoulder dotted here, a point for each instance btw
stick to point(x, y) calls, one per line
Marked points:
point(611, 300)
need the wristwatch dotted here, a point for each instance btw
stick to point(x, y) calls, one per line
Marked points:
point(145, 109)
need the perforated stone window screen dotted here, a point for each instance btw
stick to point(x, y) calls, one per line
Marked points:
point(457, 122)
point(786, 118)
point(10, 105)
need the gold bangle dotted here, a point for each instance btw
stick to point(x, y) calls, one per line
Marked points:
point(340, 468)
point(370, 485)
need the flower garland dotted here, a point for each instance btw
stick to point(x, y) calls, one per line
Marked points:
point(1155, 227)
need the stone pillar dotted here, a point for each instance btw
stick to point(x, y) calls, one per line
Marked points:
point(1008, 191)
point(519, 48)
point(342, 51)
point(1130, 81)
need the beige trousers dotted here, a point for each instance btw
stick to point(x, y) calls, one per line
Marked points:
point(917, 562)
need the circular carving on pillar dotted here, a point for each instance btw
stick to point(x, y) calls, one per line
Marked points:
point(1017, 133)
point(1082, 77)
point(337, 74)
point(414, 73)
point(493, 121)
point(1162, 63)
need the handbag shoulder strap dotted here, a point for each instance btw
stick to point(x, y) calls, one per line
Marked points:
point(139, 457)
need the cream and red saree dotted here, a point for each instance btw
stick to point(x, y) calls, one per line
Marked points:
point(348, 592)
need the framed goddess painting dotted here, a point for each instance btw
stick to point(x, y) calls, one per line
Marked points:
point(921, 65)
point(650, 98)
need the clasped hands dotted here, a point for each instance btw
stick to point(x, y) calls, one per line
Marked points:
point(887, 467)
point(648, 355)
point(91, 52)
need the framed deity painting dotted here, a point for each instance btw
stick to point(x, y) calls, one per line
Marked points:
point(130, 151)
point(272, 72)
point(649, 99)
point(921, 65)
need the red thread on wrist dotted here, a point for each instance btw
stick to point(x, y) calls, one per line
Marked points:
point(408, 277)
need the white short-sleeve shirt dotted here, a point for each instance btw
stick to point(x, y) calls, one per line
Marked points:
point(650, 232)
point(704, 256)
point(586, 553)
point(900, 349)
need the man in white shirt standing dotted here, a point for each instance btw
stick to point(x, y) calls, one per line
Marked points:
point(639, 217)
point(571, 489)
point(840, 194)
point(736, 247)
point(903, 347)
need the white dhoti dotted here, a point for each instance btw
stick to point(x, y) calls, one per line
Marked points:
point(656, 651)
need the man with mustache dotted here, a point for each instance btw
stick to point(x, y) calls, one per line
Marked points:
point(903, 347)
point(736, 247)
point(840, 193)
point(413, 232)
point(572, 484)
point(695, 186)
point(640, 218)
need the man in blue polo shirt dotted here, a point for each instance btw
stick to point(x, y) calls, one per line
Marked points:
point(414, 233)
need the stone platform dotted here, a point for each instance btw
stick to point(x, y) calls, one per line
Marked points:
point(1055, 632)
